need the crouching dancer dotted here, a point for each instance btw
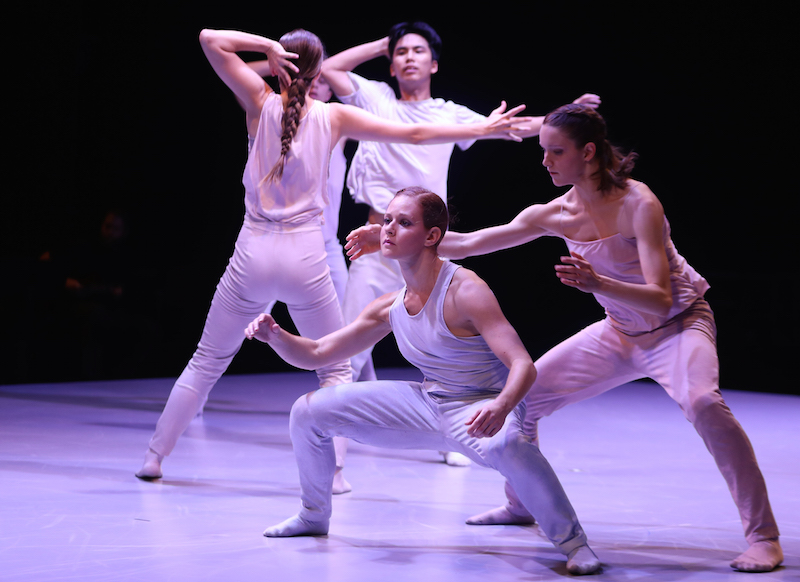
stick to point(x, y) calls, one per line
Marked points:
point(476, 372)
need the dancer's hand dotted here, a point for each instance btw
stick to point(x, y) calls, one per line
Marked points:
point(487, 421)
point(279, 63)
point(577, 272)
point(263, 328)
point(501, 123)
point(363, 241)
point(589, 99)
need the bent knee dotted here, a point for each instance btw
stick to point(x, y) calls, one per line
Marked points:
point(301, 413)
point(514, 447)
point(705, 405)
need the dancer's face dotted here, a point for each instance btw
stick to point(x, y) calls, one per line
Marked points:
point(320, 90)
point(412, 60)
point(566, 163)
point(404, 232)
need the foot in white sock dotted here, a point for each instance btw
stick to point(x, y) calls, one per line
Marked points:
point(340, 484)
point(456, 459)
point(582, 560)
point(500, 516)
point(297, 526)
point(151, 468)
point(763, 556)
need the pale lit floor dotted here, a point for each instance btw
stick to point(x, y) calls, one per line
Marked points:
point(647, 492)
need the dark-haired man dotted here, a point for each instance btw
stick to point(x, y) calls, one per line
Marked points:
point(378, 170)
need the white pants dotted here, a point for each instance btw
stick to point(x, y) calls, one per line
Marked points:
point(370, 277)
point(682, 358)
point(272, 262)
point(400, 414)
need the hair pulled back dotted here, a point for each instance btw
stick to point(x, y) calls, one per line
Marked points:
point(583, 124)
point(434, 209)
point(310, 50)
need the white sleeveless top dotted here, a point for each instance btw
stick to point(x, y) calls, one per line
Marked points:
point(457, 365)
point(301, 194)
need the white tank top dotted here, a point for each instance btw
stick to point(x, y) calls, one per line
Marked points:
point(455, 365)
point(301, 194)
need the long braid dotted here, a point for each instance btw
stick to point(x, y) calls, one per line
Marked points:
point(309, 48)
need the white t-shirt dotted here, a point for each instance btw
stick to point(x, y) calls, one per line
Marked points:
point(379, 170)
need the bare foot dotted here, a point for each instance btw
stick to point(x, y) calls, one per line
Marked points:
point(151, 468)
point(582, 560)
point(340, 484)
point(456, 459)
point(500, 516)
point(763, 556)
point(297, 526)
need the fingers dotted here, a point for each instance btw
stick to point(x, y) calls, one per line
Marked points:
point(483, 424)
point(512, 112)
point(263, 321)
point(589, 99)
point(500, 109)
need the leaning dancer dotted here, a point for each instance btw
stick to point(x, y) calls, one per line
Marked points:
point(280, 253)
point(658, 324)
point(448, 324)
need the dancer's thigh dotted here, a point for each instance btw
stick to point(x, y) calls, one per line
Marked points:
point(393, 414)
point(686, 365)
point(594, 360)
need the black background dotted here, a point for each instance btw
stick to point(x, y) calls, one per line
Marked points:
point(115, 105)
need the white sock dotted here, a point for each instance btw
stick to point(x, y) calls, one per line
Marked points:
point(582, 560)
point(500, 516)
point(456, 459)
point(340, 484)
point(297, 526)
point(151, 468)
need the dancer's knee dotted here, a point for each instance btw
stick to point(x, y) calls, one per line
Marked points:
point(706, 406)
point(300, 416)
point(510, 453)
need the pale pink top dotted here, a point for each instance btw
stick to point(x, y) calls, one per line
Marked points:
point(617, 257)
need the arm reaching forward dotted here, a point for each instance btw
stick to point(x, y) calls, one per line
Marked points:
point(369, 328)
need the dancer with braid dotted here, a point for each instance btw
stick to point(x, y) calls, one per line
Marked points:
point(280, 252)
point(334, 253)
point(476, 373)
point(658, 324)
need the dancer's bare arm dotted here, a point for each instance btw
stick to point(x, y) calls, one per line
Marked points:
point(335, 69)
point(471, 307)
point(355, 123)
point(369, 328)
point(221, 47)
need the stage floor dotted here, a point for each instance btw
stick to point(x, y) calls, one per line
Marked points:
point(646, 491)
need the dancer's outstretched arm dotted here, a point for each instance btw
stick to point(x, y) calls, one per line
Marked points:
point(533, 222)
point(355, 123)
point(371, 326)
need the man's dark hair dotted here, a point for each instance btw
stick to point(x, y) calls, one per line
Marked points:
point(423, 29)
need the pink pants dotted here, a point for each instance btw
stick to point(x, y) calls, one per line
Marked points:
point(682, 358)
point(270, 262)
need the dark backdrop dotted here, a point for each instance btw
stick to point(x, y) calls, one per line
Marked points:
point(115, 106)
